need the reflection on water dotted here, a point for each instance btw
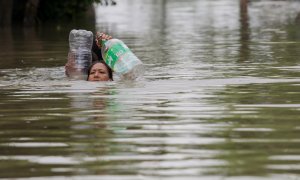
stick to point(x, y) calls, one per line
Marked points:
point(220, 98)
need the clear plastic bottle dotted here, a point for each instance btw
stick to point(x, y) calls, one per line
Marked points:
point(121, 59)
point(80, 55)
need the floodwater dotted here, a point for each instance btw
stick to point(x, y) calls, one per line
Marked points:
point(220, 98)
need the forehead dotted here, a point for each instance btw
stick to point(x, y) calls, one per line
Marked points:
point(99, 66)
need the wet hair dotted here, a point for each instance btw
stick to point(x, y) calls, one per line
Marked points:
point(96, 52)
point(110, 73)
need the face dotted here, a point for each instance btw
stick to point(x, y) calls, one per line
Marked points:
point(99, 72)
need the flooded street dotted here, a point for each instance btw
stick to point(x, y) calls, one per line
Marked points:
point(220, 98)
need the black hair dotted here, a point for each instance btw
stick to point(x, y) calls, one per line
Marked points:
point(96, 52)
point(110, 73)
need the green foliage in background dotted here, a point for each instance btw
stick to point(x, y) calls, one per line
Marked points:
point(63, 10)
point(36, 12)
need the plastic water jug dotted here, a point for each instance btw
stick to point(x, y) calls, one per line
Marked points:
point(80, 55)
point(121, 59)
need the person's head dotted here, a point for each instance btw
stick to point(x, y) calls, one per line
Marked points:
point(100, 71)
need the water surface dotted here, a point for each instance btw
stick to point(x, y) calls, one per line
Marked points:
point(220, 98)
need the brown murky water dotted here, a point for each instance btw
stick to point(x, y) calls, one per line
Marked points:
point(220, 98)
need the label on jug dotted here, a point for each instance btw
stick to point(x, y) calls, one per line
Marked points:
point(114, 53)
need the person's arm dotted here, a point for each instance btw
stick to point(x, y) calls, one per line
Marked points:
point(70, 68)
point(96, 52)
point(96, 48)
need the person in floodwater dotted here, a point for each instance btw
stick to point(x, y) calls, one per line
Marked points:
point(99, 70)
